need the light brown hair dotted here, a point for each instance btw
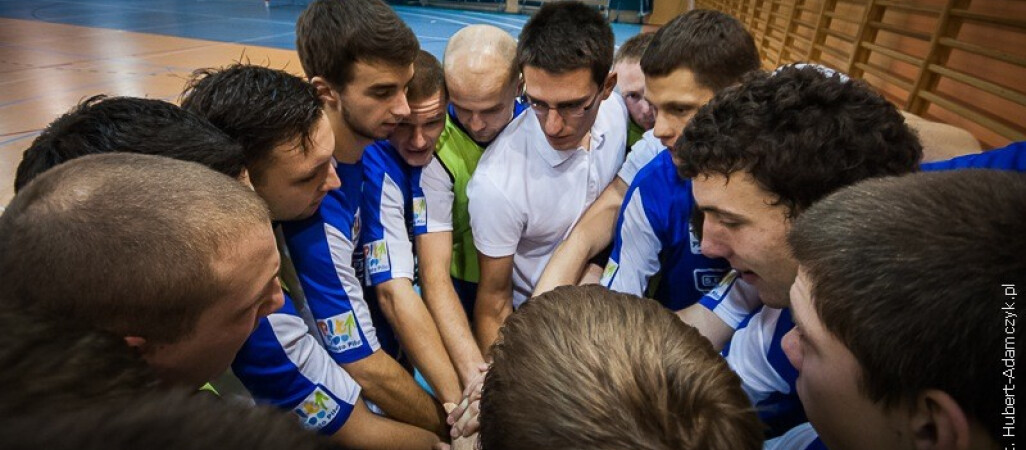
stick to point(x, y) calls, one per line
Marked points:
point(585, 367)
point(124, 242)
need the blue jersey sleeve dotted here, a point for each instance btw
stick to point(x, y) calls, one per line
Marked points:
point(1012, 157)
point(420, 204)
point(322, 249)
point(282, 364)
point(635, 255)
point(386, 204)
point(654, 235)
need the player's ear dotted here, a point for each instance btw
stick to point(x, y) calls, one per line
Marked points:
point(331, 98)
point(937, 422)
point(608, 85)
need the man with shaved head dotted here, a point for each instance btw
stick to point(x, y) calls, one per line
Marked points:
point(483, 82)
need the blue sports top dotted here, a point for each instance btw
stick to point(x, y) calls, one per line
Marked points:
point(321, 248)
point(1012, 157)
point(282, 364)
point(394, 211)
point(653, 234)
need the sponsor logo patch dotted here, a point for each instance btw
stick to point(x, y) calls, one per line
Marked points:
point(376, 256)
point(709, 279)
point(419, 211)
point(340, 332)
point(607, 275)
point(317, 409)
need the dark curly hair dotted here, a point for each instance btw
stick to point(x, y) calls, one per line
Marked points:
point(801, 133)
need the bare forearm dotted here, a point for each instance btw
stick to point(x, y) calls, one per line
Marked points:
point(391, 388)
point(445, 308)
point(435, 254)
point(490, 312)
point(419, 336)
point(367, 430)
point(592, 233)
point(708, 324)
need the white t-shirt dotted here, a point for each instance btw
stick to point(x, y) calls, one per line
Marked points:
point(642, 153)
point(525, 196)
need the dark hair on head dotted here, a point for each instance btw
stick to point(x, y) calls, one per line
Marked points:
point(713, 45)
point(333, 35)
point(104, 124)
point(259, 107)
point(576, 359)
point(126, 243)
point(632, 50)
point(800, 133)
point(428, 79)
point(566, 36)
point(173, 419)
point(49, 359)
point(912, 275)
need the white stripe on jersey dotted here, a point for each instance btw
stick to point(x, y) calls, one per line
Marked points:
point(312, 361)
point(438, 192)
point(341, 249)
point(393, 221)
point(638, 259)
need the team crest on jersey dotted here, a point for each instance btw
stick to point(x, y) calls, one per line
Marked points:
point(356, 226)
point(419, 211)
point(340, 332)
point(696, 244)
point(607, 274)
point(375, 255)
point(317, 409)
point(708, 279)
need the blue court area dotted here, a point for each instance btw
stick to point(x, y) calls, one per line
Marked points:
point(250, 22)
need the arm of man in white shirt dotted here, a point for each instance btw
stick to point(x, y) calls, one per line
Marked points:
point(494, 298)
point(498, 227)
point(591, 234)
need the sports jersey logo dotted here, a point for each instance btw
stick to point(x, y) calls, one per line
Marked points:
point(356, 226)
point(419, 211)
point(376, 256)
point(607, 274)
point(724, 286)
point(696, 244)
point(340, 332)
point(317, 409)
point(708, 279)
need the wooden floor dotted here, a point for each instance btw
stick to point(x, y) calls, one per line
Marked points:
point(47, 68)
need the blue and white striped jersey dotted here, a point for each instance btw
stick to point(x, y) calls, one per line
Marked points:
point(322, 249)
point(767, 376)
point(282, 364)
point(653, 234)
point(801, 437)
point(393, 211)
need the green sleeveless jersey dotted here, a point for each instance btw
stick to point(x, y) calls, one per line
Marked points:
point(459, 155)
point(634, 132)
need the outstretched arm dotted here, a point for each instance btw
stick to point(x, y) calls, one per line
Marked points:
point(434, 251)
point(591, 234)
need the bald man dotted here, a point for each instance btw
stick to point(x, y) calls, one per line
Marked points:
point(483, 83)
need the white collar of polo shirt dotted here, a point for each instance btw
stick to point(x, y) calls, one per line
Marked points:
point(556, 157)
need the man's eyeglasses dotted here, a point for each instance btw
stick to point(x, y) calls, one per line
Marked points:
point(541, 109)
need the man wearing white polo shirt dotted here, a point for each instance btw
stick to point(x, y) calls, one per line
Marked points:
point(541, 173)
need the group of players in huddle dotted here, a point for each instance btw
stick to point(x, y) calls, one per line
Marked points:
point(388, 250)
